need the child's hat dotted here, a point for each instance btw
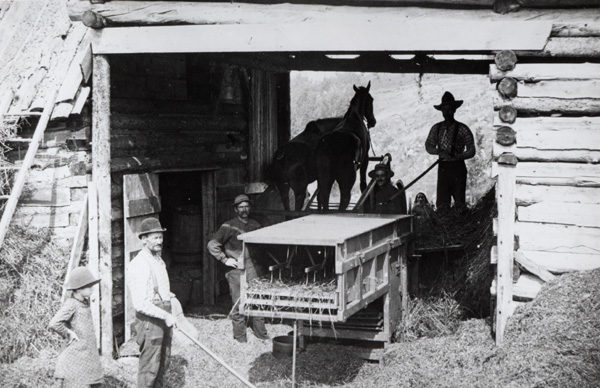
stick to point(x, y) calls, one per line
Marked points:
point(81, 277)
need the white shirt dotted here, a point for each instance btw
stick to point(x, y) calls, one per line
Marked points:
point(141, 283)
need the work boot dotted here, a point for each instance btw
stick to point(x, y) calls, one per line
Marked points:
point(258, 329)
point(241, 339)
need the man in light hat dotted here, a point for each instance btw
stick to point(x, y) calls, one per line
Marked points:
point(385, 198)
point(453, 142)
point(226, 248)
point(148, 284)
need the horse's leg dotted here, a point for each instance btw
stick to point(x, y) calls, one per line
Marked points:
point(363, 174)
point(346, 182)
point(299, 198)
point(324, 187)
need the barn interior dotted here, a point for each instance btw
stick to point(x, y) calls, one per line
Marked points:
point(206, 125)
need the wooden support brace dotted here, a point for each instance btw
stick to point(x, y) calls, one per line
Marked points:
point(533, 267)
point(505, 197)
point(101, 177)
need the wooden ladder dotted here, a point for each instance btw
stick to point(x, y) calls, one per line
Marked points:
point(21, 177)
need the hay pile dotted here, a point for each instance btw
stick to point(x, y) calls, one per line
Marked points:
point(32, 270)
point(553, 341)
point(468, 277)
point(430, 317)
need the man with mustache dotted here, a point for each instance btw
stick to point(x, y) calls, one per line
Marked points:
point(148, 284)
point(226, 248)
point(385, 198)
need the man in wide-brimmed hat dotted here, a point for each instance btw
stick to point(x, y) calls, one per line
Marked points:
point(226, 248)
point(453, 142)
point(148, 284)
point(385, 198)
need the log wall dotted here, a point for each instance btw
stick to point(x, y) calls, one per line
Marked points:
point(57, 182)
point(175, 112)
point(555, 143)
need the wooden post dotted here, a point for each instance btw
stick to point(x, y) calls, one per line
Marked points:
point(263, 122)
point(505, 198)
point(101, 177)
point(93, 256)
point(209, 219)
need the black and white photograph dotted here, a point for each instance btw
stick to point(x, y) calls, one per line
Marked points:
point(299, 193)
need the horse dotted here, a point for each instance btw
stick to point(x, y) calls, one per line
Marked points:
point(294, 164)
point(346, 149)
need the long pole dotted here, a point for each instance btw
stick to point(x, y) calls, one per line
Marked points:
point(217, 359)
point(17, 188)
point(294, 354)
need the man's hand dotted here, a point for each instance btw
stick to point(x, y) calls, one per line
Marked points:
point(233, 263)
point(170, 321)
point(444, 155)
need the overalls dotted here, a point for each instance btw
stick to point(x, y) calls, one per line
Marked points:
point(154, 338)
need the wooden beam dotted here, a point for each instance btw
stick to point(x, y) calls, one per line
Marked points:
point(101, 177)
point(581, 47)
point(539, 154)
point(528, 194)
point(78, 242)
point(93, 258)
point(19, 182)
point(532, 267)
point(409, 36)
point(209, 220)
point(387, 64)
point(563, 262)
point(579, 214)
point(558, 238)
point(544, 105)
point(188, 12)
point(533, 72)
point(505, 198)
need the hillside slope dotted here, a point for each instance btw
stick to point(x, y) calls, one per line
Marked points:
point(403, 107)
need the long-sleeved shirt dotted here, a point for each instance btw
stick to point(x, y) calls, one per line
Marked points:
point(79, 362)
point(380, 200)
point(443, 137)
point(225, 243)
point(148, 281)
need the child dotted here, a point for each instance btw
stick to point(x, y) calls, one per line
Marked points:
point(79, 363)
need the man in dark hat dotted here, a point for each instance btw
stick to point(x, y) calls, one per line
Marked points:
point(148, 284)
point(226, 248)
point(385, 198)
point(453, 142)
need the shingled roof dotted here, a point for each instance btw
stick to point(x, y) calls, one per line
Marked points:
point(42, 51)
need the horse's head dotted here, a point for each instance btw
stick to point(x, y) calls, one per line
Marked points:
point(363, 103)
